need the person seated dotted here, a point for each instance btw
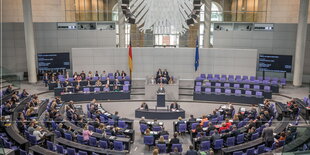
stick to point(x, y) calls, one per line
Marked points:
point(8, 90)
point(295, 110)
point(45, 79)
point(235, 132)
point(204, 119)
point(75, 75)
point(155, 123)
point(258, 122)
point(7, 110)
point(65, 90)
point(86, 133)
point(106, 88)
point(174, 106)
point(203, 137)
point(24, 94)
point(104, 74)
point(147, 132)
point(96, 74)
point(192, 118)
point(163, 132)
point(72, 133)
point(116, 88)
point(159, 74)
point(83, 75)
point(191, 151)
point(142, 121)
point(31, 128)
point(174, 140)
point(78, 78)
point(211, 127)
point(171, 80)
point(175, 152)
point(228, 123)
point(161, 140)
point(108, 81)
point(144, 106)
point(117, 74)
point(223, 128)
point(58, 84)
point(98, 83)
point(152, 80)
point(281, 138)
point(39, 136)
point(162, 80)
point(213, 115)
point(123, 74)
point(116, 82)
point(77, 89)
point(198, 129)
point(249, 133)
point(61, 129)
point(161, 89)
point(30, 112)
point(96, 123)
point(66, 84)
point(90, 74)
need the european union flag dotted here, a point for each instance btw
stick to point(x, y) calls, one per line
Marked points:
point(197, 55)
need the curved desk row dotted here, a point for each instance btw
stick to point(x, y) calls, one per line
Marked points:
point(38, 150)
point(98, 96)
point(266, 94)
point(88, 148)
point(159, 113)
point(228, 98)
point(53, 85)
point(305, 110)
point(58, 91)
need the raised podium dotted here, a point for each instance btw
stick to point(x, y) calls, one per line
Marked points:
point(161, 100)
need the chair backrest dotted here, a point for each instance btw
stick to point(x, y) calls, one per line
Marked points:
point(237, 92)
point(194, 125)
point(126, 82)
point(254, 136)
point(245, 77)
point(68, 136)
point(86, 90)
point(70, 151)
point(122, 124)
point(226, 85)
point(148, 140)
point(227, 91)
point(156, 128)
point(238, 153)
point(250, 151)
point(258, 93)
point(125, 88)
point(60, 149)
point(217, 90)
point(103, 144)
point(236, 85)
point(208, 84)
point(218, 144)
point(240, 138)
point(162, 148)
point(256, 87)
point(261, 149)
point(96, 89)
point(33, 140)
point(198, 83)
point(179, 146)
point(80, 139)
point(91, 128)
point(208, 90)
point(82, 153)
point(230, 141)
point(197, 88)
point(205, 145)
point(217, 76)
point(267, 88)
point(143, 127)
point(95, 78)
point(92, 141)
point(210, 76)
point(182, 128)
point(50, 145)
point(248, 92)
point(118, 146)
point(22, 152)
point(217, 84)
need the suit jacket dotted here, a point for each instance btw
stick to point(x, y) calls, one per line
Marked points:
point(215, 137)
point(174, 106)
point(267, 134)
point(175, 141)
point(191, 152)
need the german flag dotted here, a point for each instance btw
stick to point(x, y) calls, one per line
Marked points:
point(130, 58)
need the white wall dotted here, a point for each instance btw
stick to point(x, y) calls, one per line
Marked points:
point(178, 61)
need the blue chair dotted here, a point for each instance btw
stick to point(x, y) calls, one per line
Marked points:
point(203, 76)
point(238, 153)
point(230, 141)
point(111, 122)
point(9, 145)
point(122, 124)
point(86, 90)
point(91, 128)
point(205, 124)
point(162, 148)
point(166, 137)
point(51, 146)
point(156, 128)
point(254, 136)
point(54, 125)
point(33, 140)
point(58, 134)
point(92, 141)
point(197, 89)
point(260, 149)
point(99, 131)
point(22, 152)
point(119, 146)
point(149, 141)
point(205, 146)
point(143, 127)
point(268, 149)
point(193, 127)
point(179, 146)
point(218, 144)
point(68, 136)
point(60, 149)
point(82, 153)
point(182, 128)
point(240, 139)
point(249, 151)
point(103, 144)
point(71, 151)
point(281, 143)
point(80, 139)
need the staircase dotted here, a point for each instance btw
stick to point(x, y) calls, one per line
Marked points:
point(186, 89)
point(137, 90)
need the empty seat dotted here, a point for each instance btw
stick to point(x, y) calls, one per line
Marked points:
point(208, 90)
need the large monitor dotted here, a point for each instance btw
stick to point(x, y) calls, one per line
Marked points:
point(53, 61)
point(275, 63)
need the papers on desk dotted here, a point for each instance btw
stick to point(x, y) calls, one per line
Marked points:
point(126, 130)
point(198, 119)
point(160, 123)
point(112, 137)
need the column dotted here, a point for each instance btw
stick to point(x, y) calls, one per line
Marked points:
point(121, 25)
point(300, 42)
point(29, 39)
point(207, 24)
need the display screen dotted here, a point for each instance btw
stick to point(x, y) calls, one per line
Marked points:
point(53, 61)
point(275, 63)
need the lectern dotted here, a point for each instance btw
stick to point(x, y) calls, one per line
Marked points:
point(161, 99)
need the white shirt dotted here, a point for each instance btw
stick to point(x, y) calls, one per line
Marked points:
point(38, 134)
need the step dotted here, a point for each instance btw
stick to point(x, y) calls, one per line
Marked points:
point(183, 97)
point(136, 97)
point(186, 91)
point(137, 91)
point(186, 83)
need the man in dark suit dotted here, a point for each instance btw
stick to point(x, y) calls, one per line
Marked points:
point(8, 90)
point(203, 137)
point(235, 132)
point(161, 89)
point(144, 106)
point(123, 74)
point(115, 117)
point(268, 136)
point(215, 136)
point(174, 140)
point(191, 151)
point(174, 106)
point(117, 74)
point(83, 75)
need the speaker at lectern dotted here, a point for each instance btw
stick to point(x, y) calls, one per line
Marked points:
point(161, 93)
